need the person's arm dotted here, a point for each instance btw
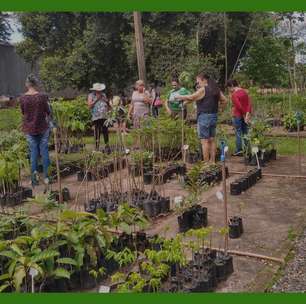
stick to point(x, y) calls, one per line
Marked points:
point(247, 117)
point(167, 105)
point(131, 108)
point(90, 101)
point(147, 98)
point(199, 94)
point(223, 101)
point(47, 105)
point(21, 106)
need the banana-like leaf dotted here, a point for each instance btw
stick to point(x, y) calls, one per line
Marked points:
point(45, 255)
point(8, 254)
point(67, 261)
point(18, 277)
point(4, 277)
point(62, 273)
point(4, 286)
point(16, 249)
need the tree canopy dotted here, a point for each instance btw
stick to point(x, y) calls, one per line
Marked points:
point(77, 49)
point(5, 29)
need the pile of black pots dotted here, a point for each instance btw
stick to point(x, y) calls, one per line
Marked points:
point(165, 175)
point(81, 279)
point(193, 218)
point(168, 153)
point(65, 170)
point(235, 227)
point(74, 148)
point(295, 128)
point(135, 169)
point(202, 274)
point(139, 240)
point(245, 182)
point(263, 157)
point(102, 172)
point(151, 203)
point(194, 157)
point(210, 177)
point(12, 199)
point(65, 194)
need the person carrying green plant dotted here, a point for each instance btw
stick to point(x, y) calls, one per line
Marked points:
point(99, 105)
point(241, 111)
point(172, 104)
point(35, 110)
point(207, 96)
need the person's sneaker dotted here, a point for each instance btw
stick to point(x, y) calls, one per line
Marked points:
point(46, 181)
point(35, 179)
point(239, 153)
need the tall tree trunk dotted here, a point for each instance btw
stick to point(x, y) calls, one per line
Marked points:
point(139, 46)
point(293, 57)
point(225, 47)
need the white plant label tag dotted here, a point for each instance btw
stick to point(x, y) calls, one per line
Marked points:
point(33, 272)
point(104, 289)
point(178, 201)
point(127, 151)
point(225, 149)
point(185, 147)
point(219, 195)
point(254, 150)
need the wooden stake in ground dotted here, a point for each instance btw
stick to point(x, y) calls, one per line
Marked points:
point(225, 206)
point(299, 148)
point(57, 167)
point(223, 151)
point(183, 141)
point(139, 46)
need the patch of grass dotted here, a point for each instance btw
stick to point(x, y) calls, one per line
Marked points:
point(285, 146)
point(10, 119)
point(128, 139)
point(291, 234)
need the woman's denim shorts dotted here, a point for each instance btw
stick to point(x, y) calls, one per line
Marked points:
point(207, 124)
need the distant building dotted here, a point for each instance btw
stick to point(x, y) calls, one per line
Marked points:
point(13, 71)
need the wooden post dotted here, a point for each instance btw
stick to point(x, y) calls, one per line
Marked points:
point(225, 47)
point(225, 205)
point(58, 167)
point(299, 149)
point(139, 46)
point(183, 136)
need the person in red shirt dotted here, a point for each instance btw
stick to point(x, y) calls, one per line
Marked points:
point(241, 112)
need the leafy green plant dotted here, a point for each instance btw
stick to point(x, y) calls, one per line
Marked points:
point(290, 121)
point(194, 185)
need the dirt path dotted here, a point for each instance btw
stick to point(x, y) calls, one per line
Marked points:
point(271, 209)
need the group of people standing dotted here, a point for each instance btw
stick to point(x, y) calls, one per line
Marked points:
point(209, 98)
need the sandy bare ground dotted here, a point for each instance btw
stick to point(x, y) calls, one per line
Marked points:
point(271, 208)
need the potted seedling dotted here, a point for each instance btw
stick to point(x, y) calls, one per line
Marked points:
point(235, 224)
point(223, 261)
point(192, 215)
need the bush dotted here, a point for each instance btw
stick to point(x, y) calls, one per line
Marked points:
point(10, 119)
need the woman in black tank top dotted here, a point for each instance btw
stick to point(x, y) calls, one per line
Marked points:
point(207, 96)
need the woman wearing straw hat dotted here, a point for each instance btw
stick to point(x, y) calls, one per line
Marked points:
point(98, 103)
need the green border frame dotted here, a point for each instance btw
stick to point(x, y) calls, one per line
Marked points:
point(81, 298)
point(152, 5)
